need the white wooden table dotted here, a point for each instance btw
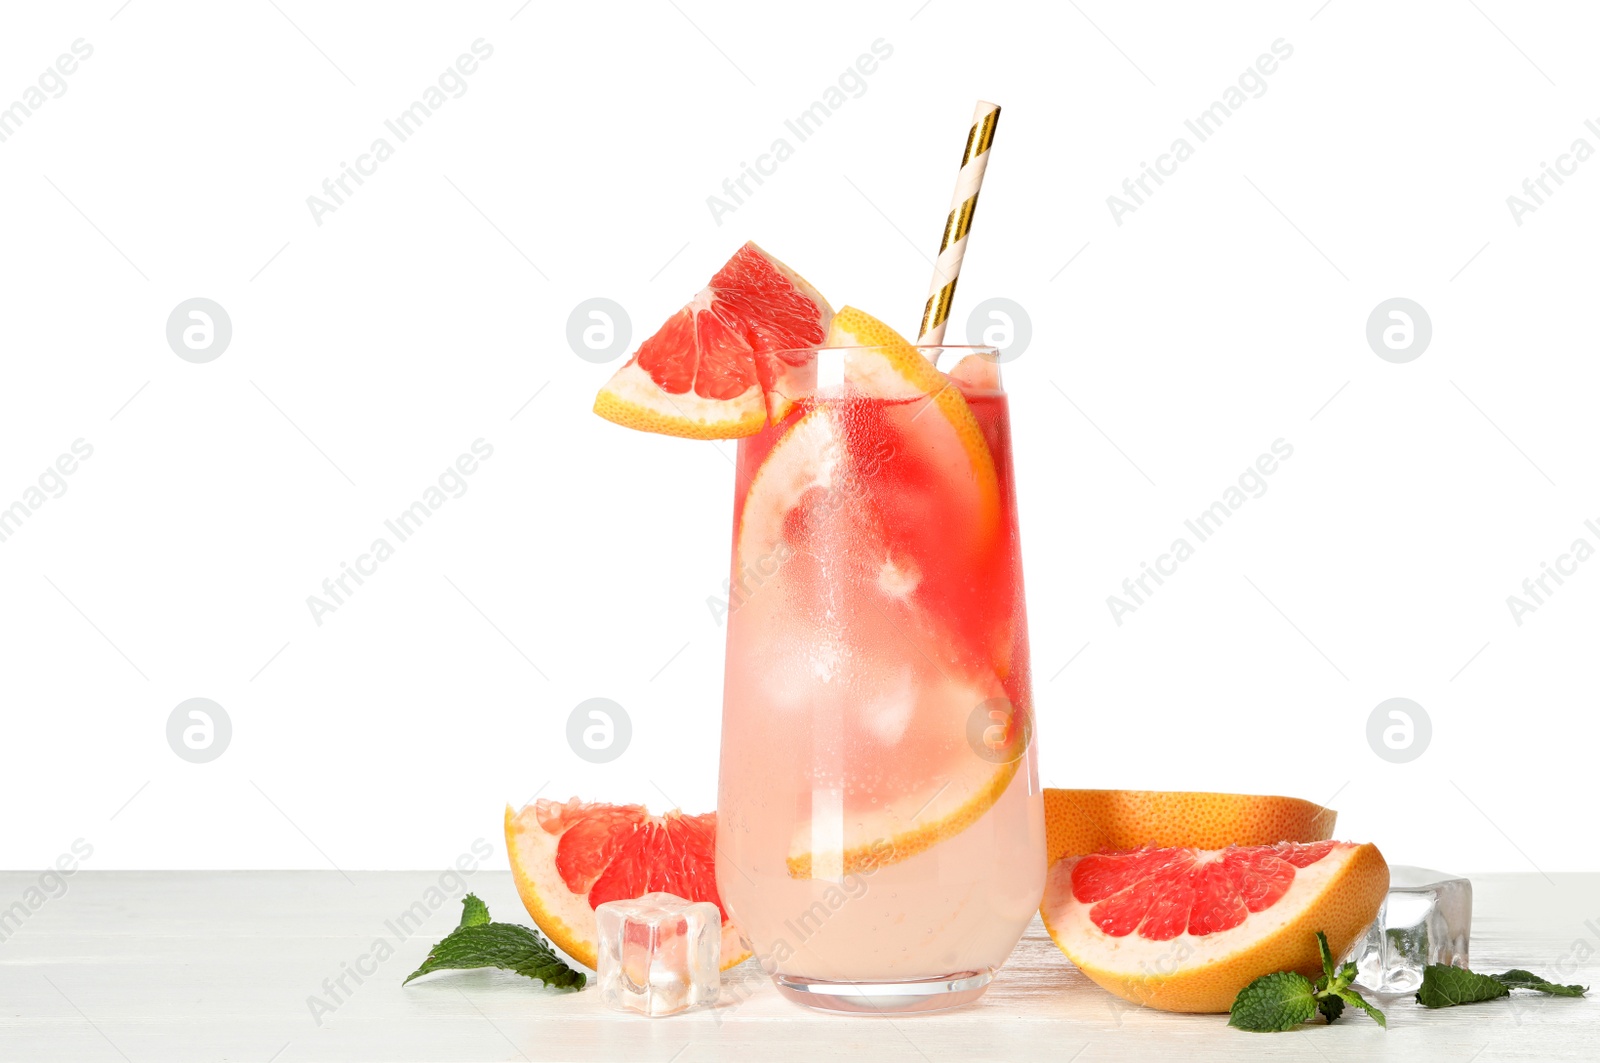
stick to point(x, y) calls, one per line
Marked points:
point(179, 966)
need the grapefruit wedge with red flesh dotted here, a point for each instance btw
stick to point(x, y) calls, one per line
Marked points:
point(1185, 929)
point(719, 367)
point(836, 505)
point(569, 858)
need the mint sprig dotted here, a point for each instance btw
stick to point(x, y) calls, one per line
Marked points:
point(1444, 986)
point(477, 942)
point(1282, 1001)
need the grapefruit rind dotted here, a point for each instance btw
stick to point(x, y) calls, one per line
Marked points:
point(533, 859)
point(1087, 821)
point(633, 400)
point(565, 917)
point(1338, 895)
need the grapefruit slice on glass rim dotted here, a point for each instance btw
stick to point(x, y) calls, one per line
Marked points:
point(719, 367)
point(569, 858)
point(1185, 929)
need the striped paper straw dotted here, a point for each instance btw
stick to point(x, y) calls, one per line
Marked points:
point(953, 247)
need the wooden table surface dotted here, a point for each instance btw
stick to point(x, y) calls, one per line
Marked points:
point(180, 966)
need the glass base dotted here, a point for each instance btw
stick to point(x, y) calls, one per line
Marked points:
point(886, 998)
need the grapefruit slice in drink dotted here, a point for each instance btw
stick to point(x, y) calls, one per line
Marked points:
point(569, 858)
point(835, 503)
point(719, 367)
point(884, 365)
point(1183, 929)
point(818, 452)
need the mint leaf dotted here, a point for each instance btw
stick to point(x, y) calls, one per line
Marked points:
point(1356, 1000)
point(1519, 979)
point(1274, 1002)
point(1327, 961)
point(1444, 986)
point(1331, 1007)
point(473, 911)
point(477, 942)
point(504, 945)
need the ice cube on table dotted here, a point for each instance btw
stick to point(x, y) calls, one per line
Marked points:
point(659, 954)
point(1425, 919)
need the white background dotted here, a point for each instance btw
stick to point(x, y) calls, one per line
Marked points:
point(369, 351)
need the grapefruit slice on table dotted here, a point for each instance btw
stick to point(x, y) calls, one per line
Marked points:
point(815, 454)
point(1086, 821)
point(725, 362)
point(1184, 929)
point(567, 859)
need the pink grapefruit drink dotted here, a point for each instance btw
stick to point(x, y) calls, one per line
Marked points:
point(880, 833)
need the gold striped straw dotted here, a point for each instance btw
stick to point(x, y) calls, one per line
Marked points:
point(953, 247)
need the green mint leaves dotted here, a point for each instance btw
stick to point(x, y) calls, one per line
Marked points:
point(476, 942)
point(1282, 1001)
point(1276, 1002)
point(1445, 987)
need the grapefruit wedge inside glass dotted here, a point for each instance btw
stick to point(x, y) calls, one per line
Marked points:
point(831, 500)
point(569, 858)
point(1185, 929)
point(719, 367)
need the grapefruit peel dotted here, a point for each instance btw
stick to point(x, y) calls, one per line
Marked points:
point(1086, 821)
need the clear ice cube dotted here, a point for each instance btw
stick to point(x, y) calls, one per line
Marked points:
point(659, 954)
point(1425, 919)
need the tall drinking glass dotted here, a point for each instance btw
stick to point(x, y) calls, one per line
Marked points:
point(880, 827)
